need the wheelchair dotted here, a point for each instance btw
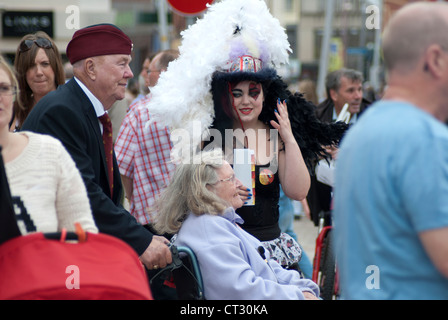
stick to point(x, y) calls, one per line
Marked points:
point(185, 273)
point(325, 272)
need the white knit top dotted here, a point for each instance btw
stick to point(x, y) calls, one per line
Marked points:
point(46, 180)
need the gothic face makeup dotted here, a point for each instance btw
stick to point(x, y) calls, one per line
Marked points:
point(247, 100)
point(254, 90)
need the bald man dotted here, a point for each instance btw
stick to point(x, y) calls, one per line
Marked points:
point(391, 192)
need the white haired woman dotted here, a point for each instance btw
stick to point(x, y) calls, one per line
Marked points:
point(199, 206)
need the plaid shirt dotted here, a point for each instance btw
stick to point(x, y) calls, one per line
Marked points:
point(143, 154)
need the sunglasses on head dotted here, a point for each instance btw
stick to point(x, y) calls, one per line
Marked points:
point(26, 45)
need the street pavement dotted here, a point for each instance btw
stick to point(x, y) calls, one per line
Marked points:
point(306, 235)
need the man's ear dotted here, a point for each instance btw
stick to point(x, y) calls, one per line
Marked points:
point(333, 94)
point(90, 67)
point(435, 61)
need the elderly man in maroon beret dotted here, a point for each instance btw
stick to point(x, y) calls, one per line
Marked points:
point(76, 114)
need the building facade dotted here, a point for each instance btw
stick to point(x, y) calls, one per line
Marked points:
point(59, 18)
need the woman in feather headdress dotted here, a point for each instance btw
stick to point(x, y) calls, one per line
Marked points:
point(225, 78)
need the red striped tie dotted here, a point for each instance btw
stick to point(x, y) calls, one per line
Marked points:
point(108, 148)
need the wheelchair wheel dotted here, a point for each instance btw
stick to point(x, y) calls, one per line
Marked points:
point(328, 270)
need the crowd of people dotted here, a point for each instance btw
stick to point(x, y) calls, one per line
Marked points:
point(139, 182)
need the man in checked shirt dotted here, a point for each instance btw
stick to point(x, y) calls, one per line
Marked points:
point(143, 151)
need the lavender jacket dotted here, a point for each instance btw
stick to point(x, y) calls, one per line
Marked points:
point(231, 265)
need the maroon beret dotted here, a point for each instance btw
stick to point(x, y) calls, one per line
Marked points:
point(98, 40)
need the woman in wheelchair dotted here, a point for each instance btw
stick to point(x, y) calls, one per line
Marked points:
point(199, 207)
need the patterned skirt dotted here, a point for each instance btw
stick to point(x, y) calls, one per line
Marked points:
point(284, 249)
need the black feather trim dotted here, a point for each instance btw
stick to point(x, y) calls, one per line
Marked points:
point(310, 133)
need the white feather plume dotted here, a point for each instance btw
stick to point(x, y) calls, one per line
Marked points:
point(182, 98)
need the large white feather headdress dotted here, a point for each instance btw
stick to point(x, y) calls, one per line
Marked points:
point(182, 98)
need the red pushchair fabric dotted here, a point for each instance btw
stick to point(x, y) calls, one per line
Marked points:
point(101, 268)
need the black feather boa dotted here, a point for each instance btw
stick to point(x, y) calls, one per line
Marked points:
point(310, 133)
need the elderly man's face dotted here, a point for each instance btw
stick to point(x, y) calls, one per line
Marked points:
point(112, 78)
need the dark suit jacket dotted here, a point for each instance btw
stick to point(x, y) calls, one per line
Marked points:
point(324, 111)
point(68, 115)
point(319, 195)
